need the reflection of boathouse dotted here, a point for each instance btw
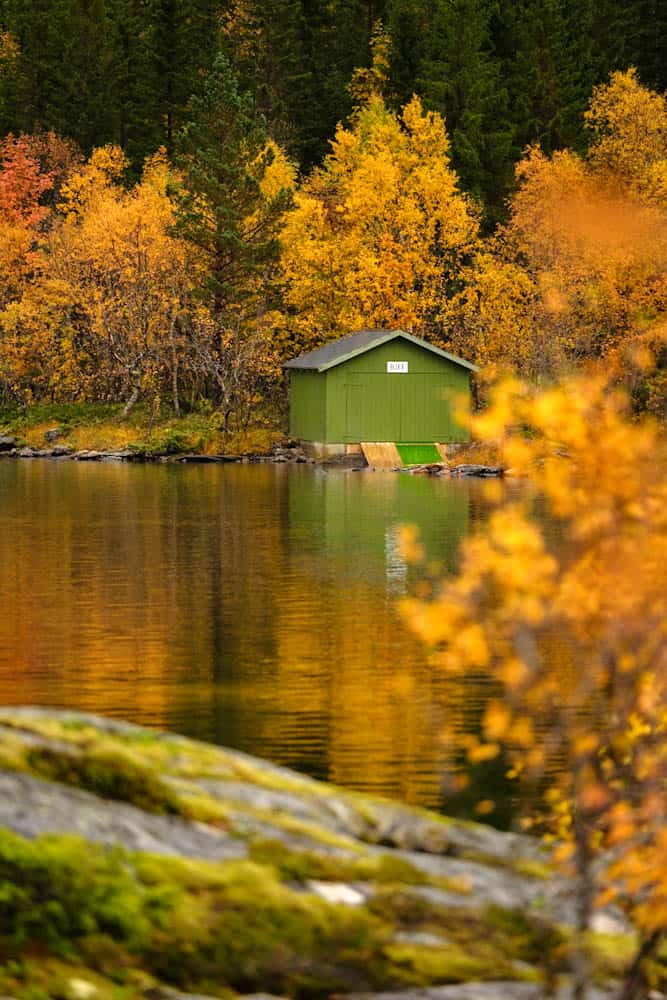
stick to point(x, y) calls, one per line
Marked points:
point(377, 386)
point(355, 519)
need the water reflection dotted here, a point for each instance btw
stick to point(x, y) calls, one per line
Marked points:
point(250, 605)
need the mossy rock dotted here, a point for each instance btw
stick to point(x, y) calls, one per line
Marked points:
point(194, 924)
point(251, 919)
point(111, 774)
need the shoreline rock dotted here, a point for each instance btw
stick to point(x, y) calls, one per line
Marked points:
point(308, 890)
point(293, 456)
point(9, 448)
point(454, 471)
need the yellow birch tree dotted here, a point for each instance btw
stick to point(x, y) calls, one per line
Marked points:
point(379, 231)
point(573, 634)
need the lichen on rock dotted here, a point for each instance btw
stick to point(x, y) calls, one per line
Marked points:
point(147, 864)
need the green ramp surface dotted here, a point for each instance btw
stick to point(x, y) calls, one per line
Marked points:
point(418, 454)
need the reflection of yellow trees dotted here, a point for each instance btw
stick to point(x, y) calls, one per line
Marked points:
point(360, 673)
point(113, 587)
point(254, 605)
point(356, 666)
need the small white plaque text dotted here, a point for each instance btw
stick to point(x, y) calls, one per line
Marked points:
point(397, 366)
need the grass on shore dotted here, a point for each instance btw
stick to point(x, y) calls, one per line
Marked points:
point(102, 427)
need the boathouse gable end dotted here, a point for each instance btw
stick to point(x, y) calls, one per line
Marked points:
point(377, 386)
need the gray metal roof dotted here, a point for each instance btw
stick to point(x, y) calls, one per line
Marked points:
point(338, 351)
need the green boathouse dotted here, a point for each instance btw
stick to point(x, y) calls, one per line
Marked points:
point(376, 386)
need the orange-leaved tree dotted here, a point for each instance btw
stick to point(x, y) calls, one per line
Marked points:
point(131, 274)
point(580, 268)
point(571, 628)
point(99, 318)
point(23, 183)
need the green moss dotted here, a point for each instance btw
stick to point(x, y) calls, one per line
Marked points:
point(108, 767)
point(450, 964)
point(529, 867)
point(241, 926)
point(177, 758)
point(133, 919)
point(267, 777)
point(107, 773)
point(532, 868)
point(407, 910)
point(494, 936)
point(208, 927)
point(381, 869)
point(525, 938)
point(58, 890)
point(297, 866)
point(70, 729)
point(610, 954)
point(259, 933)
point(189, 923)
point(300, 866)
point(12, 753)
point(74, 723)
point(130, 767)
point(147, 775)
point(54, 979)
point(387, 869)
point(304, 828)
point(203, 809)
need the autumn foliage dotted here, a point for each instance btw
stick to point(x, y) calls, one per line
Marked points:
point(101, 296)
point(196, 281)
point(579, 269)
point(378, 232)
point(571, 628)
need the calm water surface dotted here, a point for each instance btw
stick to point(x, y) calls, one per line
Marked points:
point(251, 605)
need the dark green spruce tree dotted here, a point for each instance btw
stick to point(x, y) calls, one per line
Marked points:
point(64, 76)
point(444, 51)
point(268, 54)
point(219, 156)
point(504, 73)
point(338, 39)
point(297, 57)
point(185, 40)
point(652, 59)
point(137, 124)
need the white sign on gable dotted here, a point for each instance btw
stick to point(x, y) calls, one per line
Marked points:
point(395, 367)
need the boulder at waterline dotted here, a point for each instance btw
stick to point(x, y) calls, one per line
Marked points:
point(139, 861)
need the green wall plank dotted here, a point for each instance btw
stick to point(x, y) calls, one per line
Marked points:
point(308, 391)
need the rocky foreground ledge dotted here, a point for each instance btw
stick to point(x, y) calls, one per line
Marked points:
point(135, 863)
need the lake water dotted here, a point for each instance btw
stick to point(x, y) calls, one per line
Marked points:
point(251, 605)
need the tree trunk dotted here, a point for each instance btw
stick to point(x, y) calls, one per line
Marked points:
point(584, 909)
point(634, 985)
point(132, 400)
point(174, 373)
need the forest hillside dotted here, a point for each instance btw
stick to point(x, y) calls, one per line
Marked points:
point(191, 193)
